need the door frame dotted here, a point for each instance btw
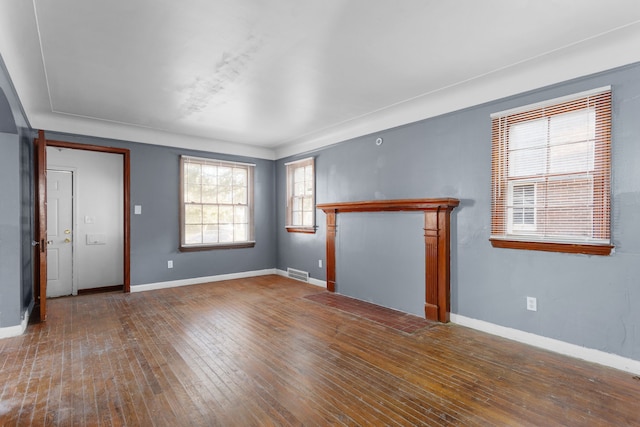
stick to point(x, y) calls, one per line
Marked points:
point(41, 144)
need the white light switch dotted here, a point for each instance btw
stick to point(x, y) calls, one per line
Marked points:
point(137, 209)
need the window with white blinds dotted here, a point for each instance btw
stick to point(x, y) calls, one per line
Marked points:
point(216, 204)
point(551, 174)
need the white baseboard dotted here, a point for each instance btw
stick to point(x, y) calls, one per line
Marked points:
point(199, 280)
point(14, 331)
point(312, 281)
point(589, 354)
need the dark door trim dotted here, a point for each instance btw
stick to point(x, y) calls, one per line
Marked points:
point(126, 170)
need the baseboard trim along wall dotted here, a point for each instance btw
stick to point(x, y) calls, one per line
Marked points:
point(14, 331)
point(200, 280)
point(557, 346)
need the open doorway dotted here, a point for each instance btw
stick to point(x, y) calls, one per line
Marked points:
point(85, 227)
point(88, 229)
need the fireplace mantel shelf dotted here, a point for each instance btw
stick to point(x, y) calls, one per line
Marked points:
point(437, 232)
point(390, 205)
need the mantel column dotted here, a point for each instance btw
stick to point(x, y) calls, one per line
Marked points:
point(331, 250)
point(437, 248)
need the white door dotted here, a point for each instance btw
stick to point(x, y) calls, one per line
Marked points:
point(59, 233)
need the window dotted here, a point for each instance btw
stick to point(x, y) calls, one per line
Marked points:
point(551, 175)
point(301, 207)
point(217, 204)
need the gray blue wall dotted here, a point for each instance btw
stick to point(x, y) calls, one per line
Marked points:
point(16, 206)
point(10, 278)
point(589, 301)
point(155, 185)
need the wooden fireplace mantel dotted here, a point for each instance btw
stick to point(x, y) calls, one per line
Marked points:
point(437, 232)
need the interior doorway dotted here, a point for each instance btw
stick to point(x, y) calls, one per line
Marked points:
point(42, 242)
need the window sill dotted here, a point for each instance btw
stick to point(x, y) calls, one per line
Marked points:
point(307, 230)
point(570, 248)
point(215, 247)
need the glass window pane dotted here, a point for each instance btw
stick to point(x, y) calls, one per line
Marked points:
point(240, 195)
point(209, 194)
point(210, 234)
point(225, 195)
point(192, 234)
point(226, 233)
point(240, 232)
point(240, 214)
point(209, 175)
point(296, 218)
point(193, 193)
point(298, 175)
point(193, 173)
point(307, 204)
point(225, 176)
point(226, 214)
point(298, 189)
point(307, 219)
point(210, 214)
point(193, 214)
point(308, 173)
point(297, 204)
point(240, 177)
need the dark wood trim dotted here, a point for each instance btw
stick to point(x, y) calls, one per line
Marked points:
point(391, 205)
point(100, 290)
point(40, 261)
point(571, 248)
point(307, 230)
point(126, 179)
point(437, 235)
point(214, 247)
point(331, 248)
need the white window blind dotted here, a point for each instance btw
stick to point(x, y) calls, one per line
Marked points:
point(551, 171)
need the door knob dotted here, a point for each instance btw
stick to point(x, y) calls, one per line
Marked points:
point(49, 242)
point(67, 240)
point(67, 231)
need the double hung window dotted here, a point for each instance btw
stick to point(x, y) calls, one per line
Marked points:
point(301, 208)
point(217, 204)
point(551, 175)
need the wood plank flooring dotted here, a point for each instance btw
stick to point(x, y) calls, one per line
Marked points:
point(259, 352)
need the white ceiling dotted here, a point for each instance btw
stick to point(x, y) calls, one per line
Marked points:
point(273, 78)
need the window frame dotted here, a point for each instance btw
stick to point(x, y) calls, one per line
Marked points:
point(502, 235)
point(192, 247)
point(290, 169)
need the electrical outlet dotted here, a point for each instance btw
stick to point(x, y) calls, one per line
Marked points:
point(170, 264)
point(532, 304)
point(319, 263)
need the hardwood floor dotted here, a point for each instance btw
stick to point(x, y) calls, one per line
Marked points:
point(259, 352)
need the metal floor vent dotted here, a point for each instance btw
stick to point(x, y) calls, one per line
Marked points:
point(298, 274)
